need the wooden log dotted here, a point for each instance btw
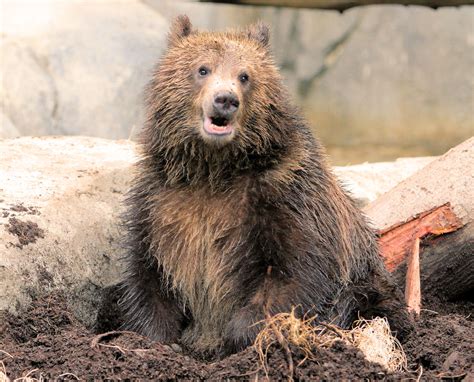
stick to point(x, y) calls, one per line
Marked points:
point(397, 242)
point(436, 207)
point(447, 265)
point(447, 179)
point(342, 5)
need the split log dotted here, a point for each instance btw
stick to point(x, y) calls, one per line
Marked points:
point(447, 265)
point(436, 207)
point(396, 243)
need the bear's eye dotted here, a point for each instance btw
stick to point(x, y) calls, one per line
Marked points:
point(244, 77)
point(203, 71)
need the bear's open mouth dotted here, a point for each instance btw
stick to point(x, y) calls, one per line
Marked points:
point(219, 121)
point(217, 126)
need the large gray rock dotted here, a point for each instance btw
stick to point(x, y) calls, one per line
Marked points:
point(80, 68)
point(28, 94)
point(60, 201)
point(7, 129)
point(376, 82)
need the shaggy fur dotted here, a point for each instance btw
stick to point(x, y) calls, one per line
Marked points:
point(208, 220)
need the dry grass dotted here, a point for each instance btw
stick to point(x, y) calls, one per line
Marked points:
point(372, 337)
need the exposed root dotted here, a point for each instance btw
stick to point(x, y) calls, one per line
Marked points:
point(275, 329)
point(29, 378)
point(371, 337)
point(420, 373)
point(284, 344)
point(451, 377)
point(3, 370)
point(96, 340)
point(95, 343)
point(69, 375)
point(3, 373)
point(286, 330)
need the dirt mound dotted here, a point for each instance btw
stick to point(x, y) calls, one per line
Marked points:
point(48, 342)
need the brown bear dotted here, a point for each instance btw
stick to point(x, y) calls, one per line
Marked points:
point(234, 212)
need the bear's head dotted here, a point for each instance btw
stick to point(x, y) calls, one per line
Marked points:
point(216, 89)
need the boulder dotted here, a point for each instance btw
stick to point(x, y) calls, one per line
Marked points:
point(397, 82)
point(78, 68)
point(60, 201)
point(28, 93)
point(7, 129)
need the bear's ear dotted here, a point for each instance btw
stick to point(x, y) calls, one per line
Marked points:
point(259, 32)
point(180, 28)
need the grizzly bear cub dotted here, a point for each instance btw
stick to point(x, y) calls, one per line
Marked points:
point(234, 212)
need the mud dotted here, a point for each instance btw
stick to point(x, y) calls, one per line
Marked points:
point(48, 342)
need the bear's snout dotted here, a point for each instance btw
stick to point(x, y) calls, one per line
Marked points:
point(225, 104)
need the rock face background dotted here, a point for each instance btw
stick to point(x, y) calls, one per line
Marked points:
point(376, 82)
point(77, 68)
point(60, 201)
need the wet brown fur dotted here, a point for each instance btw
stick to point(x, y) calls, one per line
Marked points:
point(206, 220)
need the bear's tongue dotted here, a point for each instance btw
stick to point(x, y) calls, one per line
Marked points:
point(217, 126)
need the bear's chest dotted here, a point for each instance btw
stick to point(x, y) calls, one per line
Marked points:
point(195, 235)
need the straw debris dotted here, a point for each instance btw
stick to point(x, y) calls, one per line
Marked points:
point(374, 339)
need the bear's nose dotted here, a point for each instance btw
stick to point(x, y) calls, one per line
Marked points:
point(226, 103)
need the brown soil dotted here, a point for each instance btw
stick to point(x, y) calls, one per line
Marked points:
point(48, 342)
point(27, 232)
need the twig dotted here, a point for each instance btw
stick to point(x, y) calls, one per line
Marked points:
point(6, 353)
point(412, 286)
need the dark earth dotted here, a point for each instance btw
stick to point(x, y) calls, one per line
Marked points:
point(26, 231)
point(48, 342)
